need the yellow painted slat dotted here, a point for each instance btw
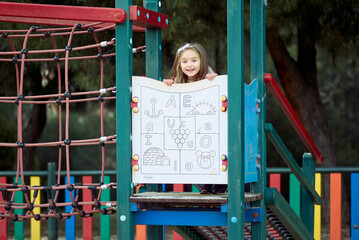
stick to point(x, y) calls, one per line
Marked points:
point(35, 225)
point(318, 208)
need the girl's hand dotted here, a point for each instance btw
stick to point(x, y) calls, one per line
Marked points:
point(169, 82)
point(211, 76)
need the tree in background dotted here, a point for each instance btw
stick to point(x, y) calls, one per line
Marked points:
point(310, 26)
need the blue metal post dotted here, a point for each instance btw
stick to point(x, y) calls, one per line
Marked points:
point(124, 68)
point(235, 51)
point(257, 47)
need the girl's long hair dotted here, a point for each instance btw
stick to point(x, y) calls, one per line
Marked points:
point(176, 73)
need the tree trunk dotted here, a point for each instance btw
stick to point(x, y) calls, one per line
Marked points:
point(32, 133)
point(299, 81)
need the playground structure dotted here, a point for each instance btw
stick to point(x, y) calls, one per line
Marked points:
point(234, 210)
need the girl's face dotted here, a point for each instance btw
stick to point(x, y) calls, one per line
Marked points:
point(190, 63)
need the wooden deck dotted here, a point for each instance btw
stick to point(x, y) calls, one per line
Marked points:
point(187, 198)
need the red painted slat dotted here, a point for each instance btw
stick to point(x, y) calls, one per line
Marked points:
point(87, 223)
point(292, 117)
point(335, 206)
point(178, 187)
point(3, 222)
point(274, 181)
point(95, 14)
point(62, 23)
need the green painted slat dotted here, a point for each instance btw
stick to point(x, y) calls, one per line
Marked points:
point(52, 223)
point(307, 206)
point(290, 162)
point(235, 53)
point(294, 193)
point(281, 209)
point(124, 69)
point(19, 226)
point(105, 221)
point(257, 71)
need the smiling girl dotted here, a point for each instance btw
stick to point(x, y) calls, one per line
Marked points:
point(191, 64)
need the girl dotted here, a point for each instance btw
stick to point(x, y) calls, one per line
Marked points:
point(191, 64)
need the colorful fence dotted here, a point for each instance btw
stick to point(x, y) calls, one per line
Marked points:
point(104, 223)
point(336, 175)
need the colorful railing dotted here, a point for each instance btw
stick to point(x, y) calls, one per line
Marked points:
point(275, 178)
point(336, 176)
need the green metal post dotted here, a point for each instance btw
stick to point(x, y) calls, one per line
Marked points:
point(235, 51)
point(153, 70)
point(307, 202)
point(124, 68)
point(105, 220)
point(257, 59)
point(19, 226)
point(51, 181)
point(153, 45)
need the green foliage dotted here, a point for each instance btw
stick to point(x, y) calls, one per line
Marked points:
point(335, 23)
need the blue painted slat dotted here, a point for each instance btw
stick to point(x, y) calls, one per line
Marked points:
point(70, 223)
point(191, 218)
point(250, 132)
point(354, 206)
point(181, 218)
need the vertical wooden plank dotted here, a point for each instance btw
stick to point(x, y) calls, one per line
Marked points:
point(105, 220)
point(87, 222)
point(3, 222)
point(52, 223)
point(19, 226)
point(354, 206)
point(70, 223)
point(35, 225)
point(274, 181)
point(335, 206)
point(294, 193)
point(194, 188)
point(176, 236)
point(307, 206)
point(141, 232)
point(318, 209)
point(178, 187)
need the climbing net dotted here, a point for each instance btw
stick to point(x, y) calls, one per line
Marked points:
point(21, 59)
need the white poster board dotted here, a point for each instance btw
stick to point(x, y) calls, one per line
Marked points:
point(179, 133)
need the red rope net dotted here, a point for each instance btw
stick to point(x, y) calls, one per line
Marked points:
point(21, 59)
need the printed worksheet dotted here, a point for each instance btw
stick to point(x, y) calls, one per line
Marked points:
point(179, 132)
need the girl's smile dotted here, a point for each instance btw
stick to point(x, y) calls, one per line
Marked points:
point(190, 63)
